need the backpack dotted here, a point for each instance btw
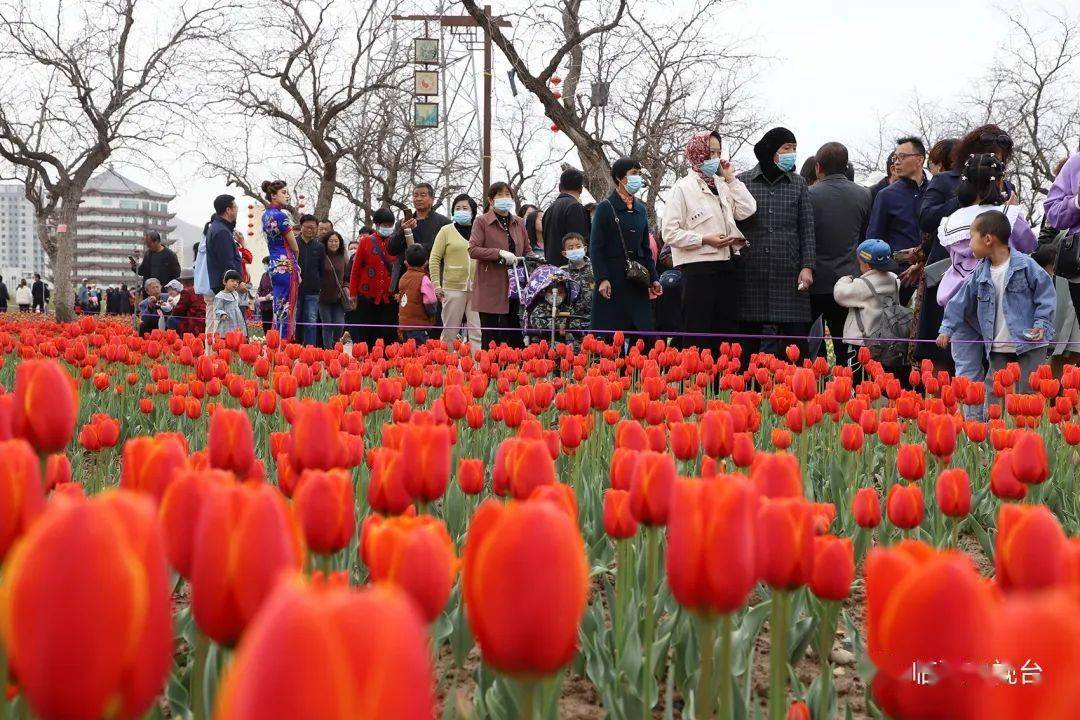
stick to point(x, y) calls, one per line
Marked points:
point(896, 322)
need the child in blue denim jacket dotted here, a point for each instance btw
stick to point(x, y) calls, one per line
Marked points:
point(1007, 304)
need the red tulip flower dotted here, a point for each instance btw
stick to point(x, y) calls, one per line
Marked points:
point(21, 498)
point(866, 508)
point(1003, 482)
point(785, 542)
point(650, 489)
point(777, 475)
point(46, 405)
point(619, 522)
point(1029, 463)
point(1031, 550)
point(149, 464)
point(940, 437)
point(911, 461)
point(953, 492)
point(834, 567)
point(230, 441)
point(851, 437)
point(426, 450)
point(414, 553)
point(717, 433)
point(685, 440)
point(904, 506)
point(470, 475)
point(325, 509)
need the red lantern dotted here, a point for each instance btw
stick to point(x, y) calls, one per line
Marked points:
point(555, 79)
point(554, 128)
point(557, 94)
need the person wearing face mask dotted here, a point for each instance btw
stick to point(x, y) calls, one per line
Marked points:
point(497, 242)
point(776, 270)
point(700, 228)
point(620, 233)
point(369, 282)
point(453, 272)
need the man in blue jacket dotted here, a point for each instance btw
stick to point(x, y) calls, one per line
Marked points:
point(895, 215)
point(222, 253)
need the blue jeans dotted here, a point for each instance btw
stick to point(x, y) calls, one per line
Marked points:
point(306, 319)
point(332, 316)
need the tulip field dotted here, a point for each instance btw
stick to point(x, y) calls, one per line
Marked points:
point(242, 529)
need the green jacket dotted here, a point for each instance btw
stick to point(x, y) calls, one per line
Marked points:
point(450, 266)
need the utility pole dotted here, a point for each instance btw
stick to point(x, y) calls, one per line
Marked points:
point(467, 21)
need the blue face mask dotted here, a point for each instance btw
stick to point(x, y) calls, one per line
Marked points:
point(504, 204)
point(634, 183)
point(463, 217)
point(709, 167)
point(576, 255)
point(786, 162)
point(385, 231)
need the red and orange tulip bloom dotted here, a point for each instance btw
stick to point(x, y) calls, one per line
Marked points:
point(325, 509)
point(834, 567)
point(1003, 482)
point(777, 475)
point(21, 497)
point(387, 493)
point(1029, 463)
point(414, 553)
point(380, 667)
point(911, 462)
point(316, 437)
point(427, 452)
point(470, 475)
point(1031, 550)
point(785, 542)
point(940, 437)
point(953, 492)
point(525, 585)
point(178, 513)
point(107, 556)
point(866, 508)
point(619, 522)
point(46, 405)
point(651, 486)
point(149, 464)
point(230, 441)
point(904, 506)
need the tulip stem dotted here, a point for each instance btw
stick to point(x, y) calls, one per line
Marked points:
point(651, 560)
point(528, 700)
point(725, 666)
point(198, 679)
point(3, 683)
point(622, 574)
point(826, 633)
point(703, 699)
point(778, 656)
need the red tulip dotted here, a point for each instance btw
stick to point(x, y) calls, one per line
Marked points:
point(21, 498)
point(940, 436)
point(1031, 550)
point(46, 405)
point(89, 576)
point(866, 508)
point(245, 538)
point(717, 433)
point(1029, 463)
point(685, 440)
point(650, 489)
point(525, 582)
point(911, 461)
point(781, 438)
point(619, 522)
point(381, 663)
point(851, 437)
point(325, 509)
point(742, 451)
point(777, 475)
point(387, 493)
point(954, 492)
point(571, 432)
point(785, 542)
point(710, 553)
point(798, 711)
point(178, 513)
point(834, 567)
point(57, 472)
point(230, 441)
point(426, 449)
point(1003, 482)
point(316, 437)
point(630, 435)
point(414, 553)
point(904, 506)
point(624, 464)
point(804, 384)
point(470, 475)
point(149, 464)
point(889, 433)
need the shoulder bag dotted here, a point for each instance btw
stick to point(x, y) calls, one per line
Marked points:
point(636, 273)
point(1068, 257)
point(348, 302)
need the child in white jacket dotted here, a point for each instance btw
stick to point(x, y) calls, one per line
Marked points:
point(875, 265)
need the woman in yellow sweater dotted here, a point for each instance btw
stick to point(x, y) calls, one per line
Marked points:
point(452, 273)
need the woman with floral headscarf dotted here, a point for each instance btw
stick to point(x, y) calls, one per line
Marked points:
point(699, 226)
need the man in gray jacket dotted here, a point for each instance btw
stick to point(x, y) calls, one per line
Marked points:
point(841, 213)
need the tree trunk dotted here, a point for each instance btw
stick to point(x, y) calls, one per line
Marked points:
point(596, 168)
point(62, 259)
point(326, 189)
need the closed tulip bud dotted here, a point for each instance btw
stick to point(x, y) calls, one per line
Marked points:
point(57, 472)
point(717, 433)
point(743, 450)
point(230, 441)
point(650, 488)
point(904, 506)
point(1003, 482)
point(470, 475)
point(178, 513)
point(911, 461)
point(387, 493)
point(940, 436)
point(953, 492)
point(455, 401)
point(525, 582)
point(866, 508)
point(777, 475)
point(927, 609)
point(382, 665)
point(712, 527)
point(623, 467)
point(834, 567)
point(851, 437)
point(21, 496)
point(1031, 550)
point(528, 465)
point(804, 384)
point(571, 432)
point(414, 553)
point(619, 522)
point(46, 405)
point(685, 441)
point(245, 537)
point(325, 509)
point(149, 464)
point(107, 556)
point(316, 441)
point(1029, 463)
point(798, 711)
point(785, 542)
point(427, 453)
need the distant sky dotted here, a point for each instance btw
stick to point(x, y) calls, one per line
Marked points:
point(839, 66)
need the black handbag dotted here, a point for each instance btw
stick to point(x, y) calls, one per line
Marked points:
point(1068, 257)
point(636, 273)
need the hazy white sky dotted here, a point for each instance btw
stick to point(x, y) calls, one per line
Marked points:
point(839, 66)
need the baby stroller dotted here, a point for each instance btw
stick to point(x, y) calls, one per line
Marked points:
point(541, 281)
point(520, 275)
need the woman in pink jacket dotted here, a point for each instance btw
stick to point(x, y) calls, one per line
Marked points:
point(497, 241)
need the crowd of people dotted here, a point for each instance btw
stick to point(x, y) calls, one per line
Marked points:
point(939, 252)
point(28, 296)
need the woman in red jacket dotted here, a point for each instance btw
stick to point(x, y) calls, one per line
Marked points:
point(369, 283)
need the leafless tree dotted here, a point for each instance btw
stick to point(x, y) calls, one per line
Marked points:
point(308, 69)
point(525, 160)
point(85, 80)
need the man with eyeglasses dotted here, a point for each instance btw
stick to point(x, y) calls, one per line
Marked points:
point(895, 215)
point(419, 226)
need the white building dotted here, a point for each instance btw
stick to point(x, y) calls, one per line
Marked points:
point(114, 215)
point(20, 252)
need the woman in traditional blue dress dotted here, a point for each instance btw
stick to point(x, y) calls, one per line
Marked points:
point(281, 243)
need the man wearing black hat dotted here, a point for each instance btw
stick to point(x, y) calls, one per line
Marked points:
point(221, 249)
point(776, 269)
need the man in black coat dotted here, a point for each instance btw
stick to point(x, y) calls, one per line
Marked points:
point(3, 296)
point(158, 261)
point(565, 215)
point(310, 258)
point(841, 213)
point(221, 251)
point(40, 293)
point(420, 228)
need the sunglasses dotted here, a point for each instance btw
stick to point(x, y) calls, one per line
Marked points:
point(999, 139)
